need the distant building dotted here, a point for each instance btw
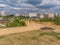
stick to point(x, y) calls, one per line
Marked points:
point(51, 15)
point(58, 15)
point(3, 20)
point(3, 13)
point(17, 14)
point(32, 14)
point(42, 16)
point(46, 15)
point(25, 14)
point(38, 15)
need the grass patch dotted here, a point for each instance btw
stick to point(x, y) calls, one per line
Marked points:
point(31, 38)
point(51, 34)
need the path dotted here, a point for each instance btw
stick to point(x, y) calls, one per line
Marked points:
point(30, 26)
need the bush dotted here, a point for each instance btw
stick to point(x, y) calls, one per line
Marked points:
point(46, 20)
point(16, 23)
point(23, 17)
point(57, 20)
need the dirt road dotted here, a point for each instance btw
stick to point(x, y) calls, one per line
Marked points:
point(30, 26)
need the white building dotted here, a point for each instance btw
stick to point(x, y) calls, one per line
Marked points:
point(56, 15)
point(25, 14)
point(17, 14)
point(32, 14)
point(51, 15)
point(3, 13)
point(42, 16)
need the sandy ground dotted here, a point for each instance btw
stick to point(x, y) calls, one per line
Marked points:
point(30, 26)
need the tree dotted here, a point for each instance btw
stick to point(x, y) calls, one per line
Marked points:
point(57, 20)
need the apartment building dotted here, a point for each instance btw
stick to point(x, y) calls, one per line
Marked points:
point(32, 14)
point(59, 15)
point(42, 16)
point(51, 15)
point(3, 13)
point(3, 20)
point(25, 14)
point(17, 14)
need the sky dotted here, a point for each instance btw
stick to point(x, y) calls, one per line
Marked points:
point(24, 6)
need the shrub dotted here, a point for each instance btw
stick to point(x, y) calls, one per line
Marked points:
point(57, 20)
point(16, 23)
point(46, 20)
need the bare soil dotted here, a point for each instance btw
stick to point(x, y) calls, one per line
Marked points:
point(31, 25)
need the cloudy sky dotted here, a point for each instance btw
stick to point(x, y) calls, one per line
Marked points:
point(22, 6)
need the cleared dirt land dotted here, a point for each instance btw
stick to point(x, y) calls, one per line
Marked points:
point(36, 37)
point(30, 26)
point(30, 35)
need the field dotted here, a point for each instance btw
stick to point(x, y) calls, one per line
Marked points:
point(36, 37)
point(31, 34)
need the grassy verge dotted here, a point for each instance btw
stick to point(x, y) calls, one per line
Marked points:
point(31, 38)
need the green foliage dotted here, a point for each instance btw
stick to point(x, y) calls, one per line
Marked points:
point(57, 20)
point(23, 17)
point(16, 23)
point(45, 20)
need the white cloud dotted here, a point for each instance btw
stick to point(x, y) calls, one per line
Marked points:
point(24, 8)
point(2, 5)
point(26, 5)
point(15, 2)
point(20, 3)
point(53, 9)
point(50, 2)
point(57, 8)
point(55, 3)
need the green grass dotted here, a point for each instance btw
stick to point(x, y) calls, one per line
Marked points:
point(31, 38)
